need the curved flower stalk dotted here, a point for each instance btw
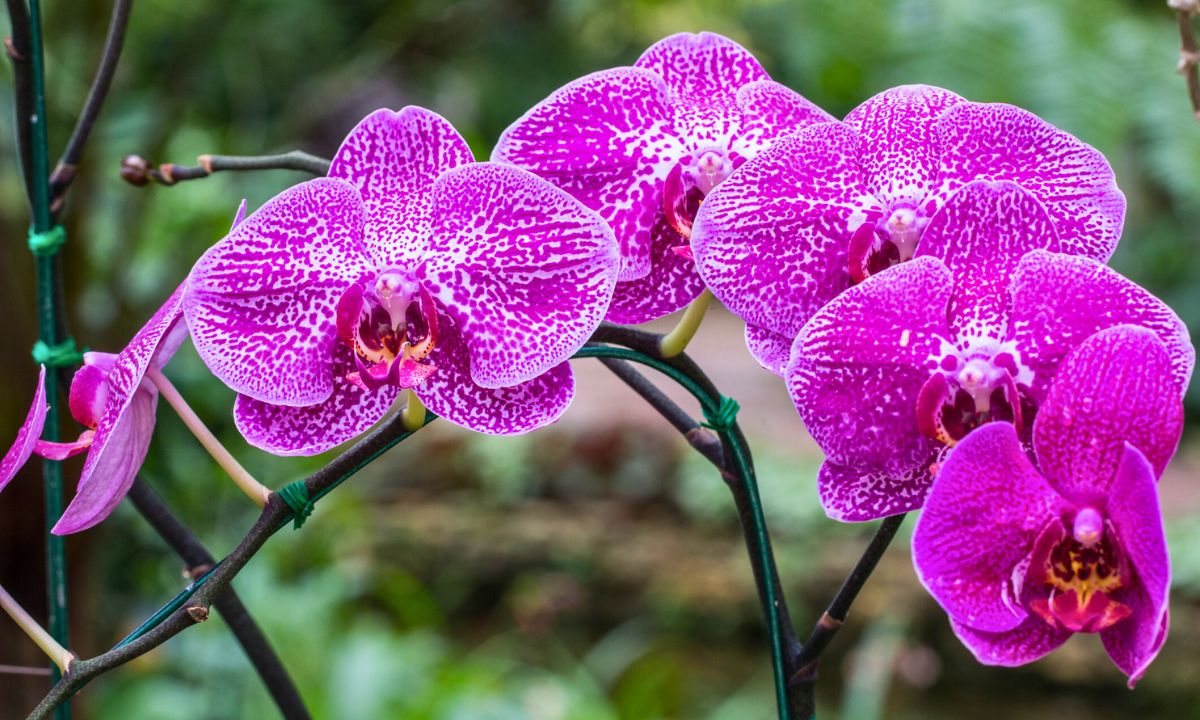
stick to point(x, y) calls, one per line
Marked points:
point(837, 202)
point(1021, 557)
point(644, 145)
point(410, 266)
point(110, 399)
point(898, 369)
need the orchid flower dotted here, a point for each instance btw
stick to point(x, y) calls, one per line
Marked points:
point(410, 266)
point(899, 368)
point(1021, 557)
point(109, 398)
point(644, 145)
point(826, 207)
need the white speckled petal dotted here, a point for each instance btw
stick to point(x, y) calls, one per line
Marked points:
point(981, 234)
point(451, 393)
point(348, 412)
point(607, 139)
point(770, 111)
point(858, 366)
point(260, 304)
point(525, 270)
point(393, 159)
point(1060, 300)
point(900, 157)
point(1069, 177)
point(852, 494)
point(671, 284)
point(769, 348)
point(771, 240)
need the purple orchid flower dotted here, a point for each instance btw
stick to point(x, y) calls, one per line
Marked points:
point(1023, 557)
point(898, 369)
point(410, 266)
point(644, 145)
point(109, 398)
point(837, 202)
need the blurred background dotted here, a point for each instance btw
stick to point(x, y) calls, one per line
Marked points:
point(594, 569)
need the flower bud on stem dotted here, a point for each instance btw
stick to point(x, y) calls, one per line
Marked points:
point(255, 490)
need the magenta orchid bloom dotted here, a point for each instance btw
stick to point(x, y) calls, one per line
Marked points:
point(837, 202)
point(899, 368)
point(110, 399)
point(644, 145)
point(1021, 557)
point(410, 266)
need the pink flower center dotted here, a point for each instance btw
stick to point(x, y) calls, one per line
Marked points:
point(1081, 570)
point(874, 247)
point(391, 325)
point(961, 396)
point(690, 181)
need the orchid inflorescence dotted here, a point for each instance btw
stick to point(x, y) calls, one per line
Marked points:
point(927, 275)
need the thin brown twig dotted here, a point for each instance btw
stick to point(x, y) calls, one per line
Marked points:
point(137, 171)
point(64, 171)
point(1189, 55)
point(18, 48)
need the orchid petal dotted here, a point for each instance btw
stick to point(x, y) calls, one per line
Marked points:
point(393, 158)
point(1071, 178)
point(900, 150)
point(981, 233)
point(62, 450)
point(607, 140)
point(770, 349)
point(858, 366)
point(1031, 640)
point(116, 455)
point(854, 493)
point(1059, 300)
point(1137, 518)
point(671, 284)
point(525, 270)
point(127, 423)
point(770, 111)
point(1115, 388)
point(455, 396)
point(981, 519)
point(27, 435)
point(348, 412)
point(260, 303)
point(770, 241)
point(700, 69)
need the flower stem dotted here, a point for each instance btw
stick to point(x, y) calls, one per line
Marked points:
point(57, 653)
point(413, 414)
point(677, 340)
point(255, 490)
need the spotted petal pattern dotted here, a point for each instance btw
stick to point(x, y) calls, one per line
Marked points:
point(523, 268)
point(310, 430)
point(900, 150)
point(1115, 388)
point(455, 396)
point(855, 373)
point(770, 241)
point(260, 303)
point(1071, 178)
point(393, 158)
point(1058, 301)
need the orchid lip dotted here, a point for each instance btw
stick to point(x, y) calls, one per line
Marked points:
point(690, 181)
point(956, 400)
point(1078, 576)
point(875, 246)
point(391, 325)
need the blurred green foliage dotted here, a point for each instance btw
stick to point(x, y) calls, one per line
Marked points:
point(564, 575)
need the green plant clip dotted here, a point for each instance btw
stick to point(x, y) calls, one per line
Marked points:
point(59, 355)
point(47, 244)
point(295, 494)
point(723, 417)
